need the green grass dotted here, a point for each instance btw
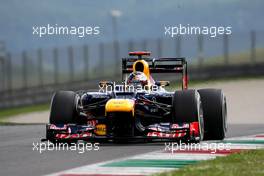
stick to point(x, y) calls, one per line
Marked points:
point(243, 164)
point(22, 110)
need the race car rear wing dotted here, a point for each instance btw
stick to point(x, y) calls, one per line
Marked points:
point(160, 65)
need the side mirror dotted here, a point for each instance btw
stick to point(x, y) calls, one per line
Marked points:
point(162, 83)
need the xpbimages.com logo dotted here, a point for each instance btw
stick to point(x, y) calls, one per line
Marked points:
point(212, 31)
point(211, 147)
point(113, 87)
point(78, 31)
point(79, 147)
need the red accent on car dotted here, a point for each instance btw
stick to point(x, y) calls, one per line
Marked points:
point(260, 136)
point(86, 134)
point(194, 128)
point(185, 82)
point(166, 135)
point(73, 136)
point(140, 53)
point(62, 136)
point(92, 122)
point(54, 127)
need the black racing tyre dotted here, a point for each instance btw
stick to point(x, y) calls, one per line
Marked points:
point(63, 107)
point(215, 113)
point(187, 107)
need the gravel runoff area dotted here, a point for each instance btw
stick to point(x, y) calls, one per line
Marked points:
point(245, 100)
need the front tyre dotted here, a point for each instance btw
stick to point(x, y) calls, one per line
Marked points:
point(187, 108)
point(63, 107)
point(215, 113)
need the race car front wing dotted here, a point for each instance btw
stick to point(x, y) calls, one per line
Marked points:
point(188, 132)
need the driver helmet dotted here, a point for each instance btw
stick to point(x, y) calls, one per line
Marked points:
point(137, 78)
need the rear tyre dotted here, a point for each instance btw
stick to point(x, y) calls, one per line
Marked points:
point(63, 107)
point(187, 108)
point(215, 113)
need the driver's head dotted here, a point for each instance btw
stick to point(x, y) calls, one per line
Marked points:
point(137, 78)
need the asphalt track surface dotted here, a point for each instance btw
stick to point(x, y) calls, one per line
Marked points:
point(17, 156)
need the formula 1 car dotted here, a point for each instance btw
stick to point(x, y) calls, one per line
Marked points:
point(139, 107)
